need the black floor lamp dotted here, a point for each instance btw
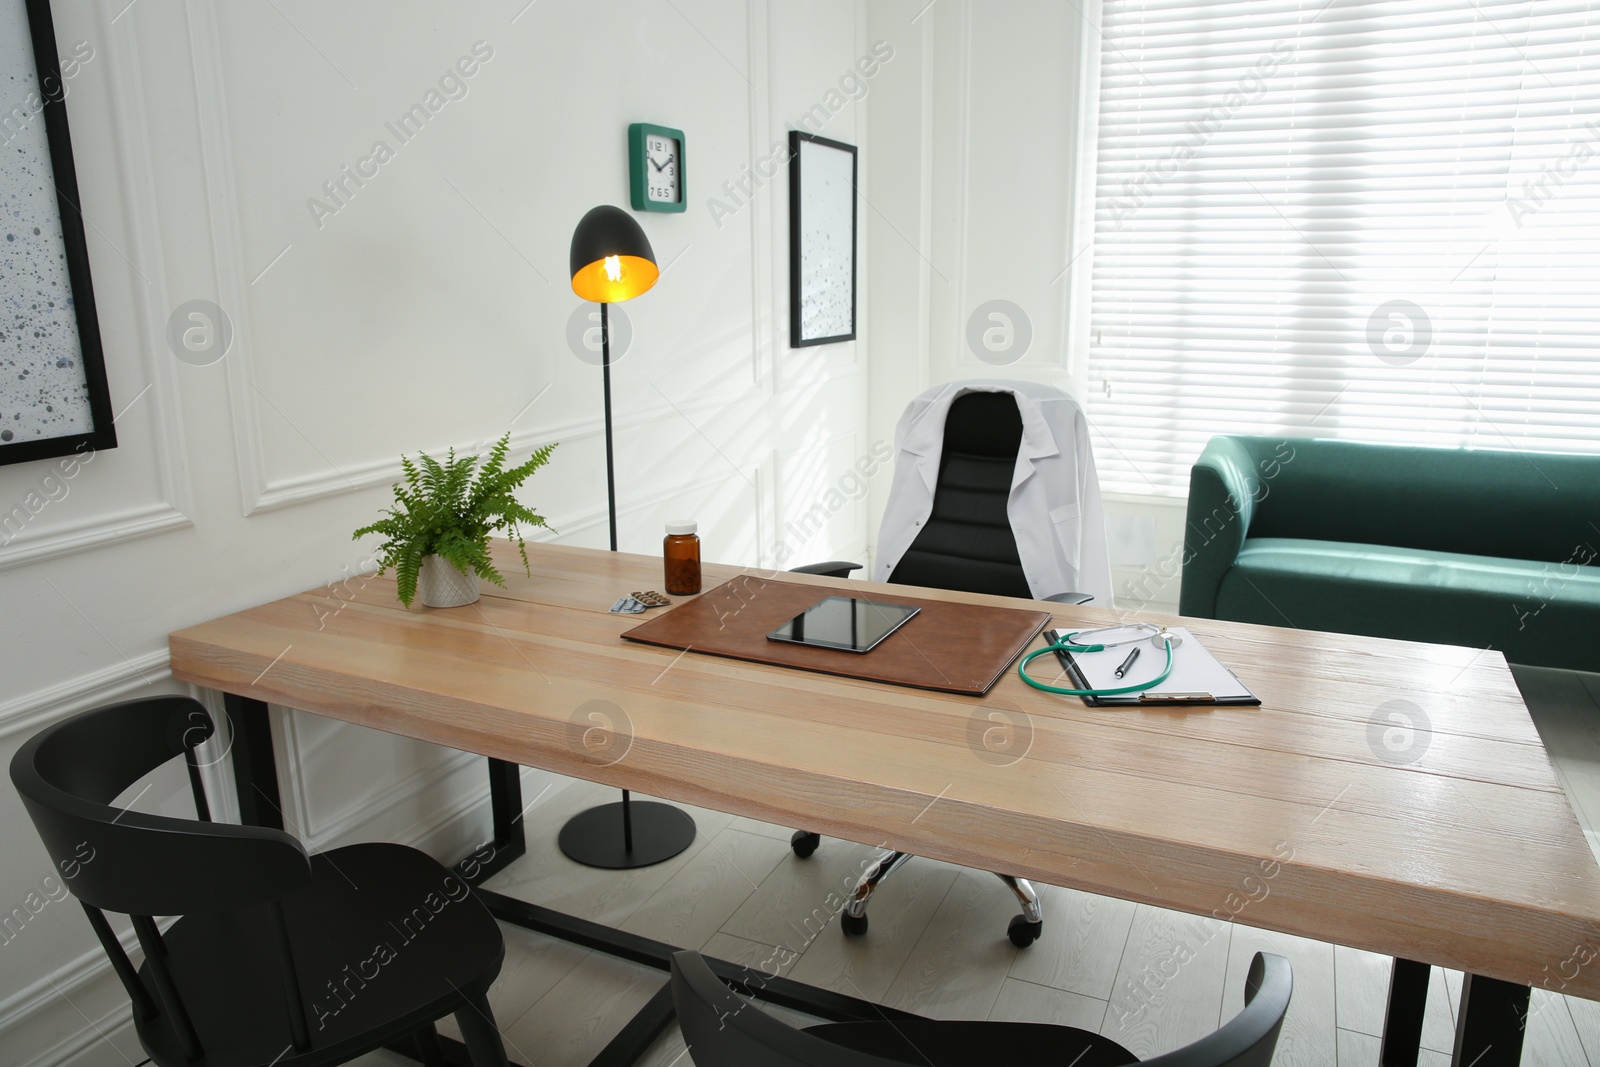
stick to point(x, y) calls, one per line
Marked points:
point(611, 261)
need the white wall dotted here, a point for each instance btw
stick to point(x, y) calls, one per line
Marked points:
point(429, 310)
point(980, 150)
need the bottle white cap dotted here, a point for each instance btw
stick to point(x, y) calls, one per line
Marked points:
point(682, 527)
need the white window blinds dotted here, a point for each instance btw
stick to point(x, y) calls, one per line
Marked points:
point(1359, 219)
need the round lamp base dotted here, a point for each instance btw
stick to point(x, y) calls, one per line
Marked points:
point(595, 838)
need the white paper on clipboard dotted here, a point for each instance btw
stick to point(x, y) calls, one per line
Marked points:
point(1194, 670)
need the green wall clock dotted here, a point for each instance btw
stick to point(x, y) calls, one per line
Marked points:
point(655, 167)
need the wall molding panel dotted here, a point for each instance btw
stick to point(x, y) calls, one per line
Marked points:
point(143, 218)
point(128, 524)
point(91, 968)
point(222, 208)
point(765, 331)
point(114, 1026)
point(38, 709)
point(150, 300)
point(963, 194)
point(304, 488)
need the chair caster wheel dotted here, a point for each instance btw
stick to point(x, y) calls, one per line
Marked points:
point(852, 926)
point(804, 844)
point(1022, 932)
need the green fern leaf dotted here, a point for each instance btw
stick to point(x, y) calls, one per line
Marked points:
point(450, 509)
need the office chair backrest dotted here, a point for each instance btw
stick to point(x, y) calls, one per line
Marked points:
point(967, 543)
point(724, 1030)
point(147, 865)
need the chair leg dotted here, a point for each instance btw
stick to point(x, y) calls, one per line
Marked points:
point(428, 1047)
point(854, 918)
point(1025, 928)
point(479, 1033)
point(1026, 896)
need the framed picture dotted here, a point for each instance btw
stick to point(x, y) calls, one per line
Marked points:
point(822, 240)
point(53, 395)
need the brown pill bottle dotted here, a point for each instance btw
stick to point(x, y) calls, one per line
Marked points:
point(681, 552)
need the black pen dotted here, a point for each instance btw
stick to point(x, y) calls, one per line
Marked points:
point(1127, 663)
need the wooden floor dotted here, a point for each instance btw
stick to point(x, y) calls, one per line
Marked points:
point(1150, 979)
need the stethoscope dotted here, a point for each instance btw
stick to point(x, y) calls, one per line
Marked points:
point(1159, 636)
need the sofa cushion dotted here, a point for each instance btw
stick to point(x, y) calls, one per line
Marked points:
point(1544, 614)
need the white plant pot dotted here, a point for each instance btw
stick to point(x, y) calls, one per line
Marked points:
point(441, 585)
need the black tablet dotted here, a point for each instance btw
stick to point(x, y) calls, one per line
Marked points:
point(844, 623)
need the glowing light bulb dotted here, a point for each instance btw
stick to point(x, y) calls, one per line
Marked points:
point(613, 268)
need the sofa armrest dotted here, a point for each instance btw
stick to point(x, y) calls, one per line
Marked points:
point(1223, 488)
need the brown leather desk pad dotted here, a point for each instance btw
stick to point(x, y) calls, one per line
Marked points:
point(954, 648)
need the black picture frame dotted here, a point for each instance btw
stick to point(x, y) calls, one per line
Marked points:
point(51, 90)
point(813, 316)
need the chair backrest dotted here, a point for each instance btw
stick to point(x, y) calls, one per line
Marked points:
point(967, 543)
point(146, 865)
point(724, 1030)
point(1249, 1038)
point(142, 864)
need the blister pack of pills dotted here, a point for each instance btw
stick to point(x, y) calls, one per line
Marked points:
point(638, 602)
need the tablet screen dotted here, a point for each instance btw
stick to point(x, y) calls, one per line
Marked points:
point(844, 623)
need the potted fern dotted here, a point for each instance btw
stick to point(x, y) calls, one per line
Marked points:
point(437, 534)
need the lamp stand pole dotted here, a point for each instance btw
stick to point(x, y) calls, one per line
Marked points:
point(592, 837)
point(605, 378)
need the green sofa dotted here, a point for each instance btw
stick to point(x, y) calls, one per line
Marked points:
point(1453, 546)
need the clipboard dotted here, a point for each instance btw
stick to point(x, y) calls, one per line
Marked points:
point(1197, 678)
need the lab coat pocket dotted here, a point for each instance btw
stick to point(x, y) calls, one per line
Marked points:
point(1067, 522)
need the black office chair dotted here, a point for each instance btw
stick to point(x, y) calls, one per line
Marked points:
point(725, 1030)
point(966, 544)
point(279, 957)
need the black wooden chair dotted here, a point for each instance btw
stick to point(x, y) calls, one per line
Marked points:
point(277, 957)
point(725, 1030)
point(967, 544)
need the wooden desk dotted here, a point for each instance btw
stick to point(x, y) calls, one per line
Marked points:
point(1452, 846)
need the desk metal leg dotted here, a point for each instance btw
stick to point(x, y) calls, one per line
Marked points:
point(641, 1031)
point(255, 769)
point(1490, 1023)
point(1402, 1025)
point(510, 839)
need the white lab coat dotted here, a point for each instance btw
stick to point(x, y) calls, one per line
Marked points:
point(1054, 507)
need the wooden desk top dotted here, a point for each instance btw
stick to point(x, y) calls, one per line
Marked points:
point(1300, 816)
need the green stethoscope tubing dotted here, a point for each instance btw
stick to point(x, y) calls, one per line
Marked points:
point(1066, 645)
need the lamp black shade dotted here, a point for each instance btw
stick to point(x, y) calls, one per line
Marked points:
point(611, 257)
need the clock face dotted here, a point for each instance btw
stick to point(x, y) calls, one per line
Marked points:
point(663, 182)
point(656, 180)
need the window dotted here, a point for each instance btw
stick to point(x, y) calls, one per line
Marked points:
point(1366, 219)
